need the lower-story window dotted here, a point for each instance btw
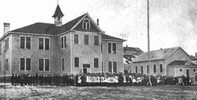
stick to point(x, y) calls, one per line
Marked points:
point(112, 67)
point(43, 64)
point(25, 64)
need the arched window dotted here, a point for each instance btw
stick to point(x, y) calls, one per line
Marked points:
point(142, 71)
point(194, 70)
point(180, 70)
point(136, 69)
point(86, 24)
point(154, 69)
point(161, 68)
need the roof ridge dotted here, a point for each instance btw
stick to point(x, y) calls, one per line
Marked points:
point(163, 49)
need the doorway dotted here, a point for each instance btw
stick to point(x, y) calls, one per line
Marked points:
point(85, 70)
point(187, 73)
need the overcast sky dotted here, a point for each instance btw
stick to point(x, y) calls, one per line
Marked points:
point(172, 22)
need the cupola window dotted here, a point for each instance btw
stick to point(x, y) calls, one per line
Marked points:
point(86, 24)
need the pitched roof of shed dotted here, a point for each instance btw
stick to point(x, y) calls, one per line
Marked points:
point(108, 37)
point(157, 54)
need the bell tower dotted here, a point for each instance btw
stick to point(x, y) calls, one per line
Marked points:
point(58, 16)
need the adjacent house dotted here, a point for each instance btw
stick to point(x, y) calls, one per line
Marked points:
point(79, 46)
point(170, 61)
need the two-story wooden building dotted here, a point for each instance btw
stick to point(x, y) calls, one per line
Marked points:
point(79, 46)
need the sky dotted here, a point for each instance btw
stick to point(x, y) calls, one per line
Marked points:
point(173, 23)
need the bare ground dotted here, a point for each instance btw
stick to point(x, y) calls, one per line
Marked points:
point(164, 92)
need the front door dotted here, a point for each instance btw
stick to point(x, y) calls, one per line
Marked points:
point(85, 70)
point(187, 73)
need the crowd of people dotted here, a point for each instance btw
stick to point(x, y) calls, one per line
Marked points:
point(97, 79)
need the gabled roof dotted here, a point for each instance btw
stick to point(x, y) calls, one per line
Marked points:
point(157, 54)
point(46, 28)
point(108, 37)
point(178, 62)
point(58, 13)
point(52, 29)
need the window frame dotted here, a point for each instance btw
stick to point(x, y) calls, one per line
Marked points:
point(154, 68)
point(76, 62)
point(25, 64)
point(96, 40)
point(25, 42)
point(111, 49)
point(96, 62)
point(44, 43)
point(62, 64)
point(44, 64)
point(86, 39)
point(76, 41)
point(86, 25)
point(161, 68)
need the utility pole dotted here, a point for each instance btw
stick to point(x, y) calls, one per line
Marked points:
point(148, 36)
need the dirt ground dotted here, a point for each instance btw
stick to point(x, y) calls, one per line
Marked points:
point(165, 92)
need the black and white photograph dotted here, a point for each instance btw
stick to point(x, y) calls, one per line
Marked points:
point(98, 50)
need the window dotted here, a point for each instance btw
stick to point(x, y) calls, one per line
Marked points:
point(147, 69)
point(25, 42)
point(25, 64)
point(96, 40)
point(135, 69)
point(46, 64)
point(44, 43)
point(28, 64)
point(6, 65)
point(110, 66)
point(64, 41)
point(76, 41)
point(86, 39)
point(86, 24)
point(43, 64)
point(41, 43)
point(76, 61)
point(109, 47)
point(154, 68)
point(62, 63)
point(142, 71)
point(7, 44)
point(96, 63)
point(22, 42)
point(161, 68)
point(112, 48)
point(22, 63)
point(194, 70)
point(114, 67)
point(28, 42)
point(180, 70)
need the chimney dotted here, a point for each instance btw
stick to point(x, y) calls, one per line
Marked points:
point(97, 22)
point(6, 27)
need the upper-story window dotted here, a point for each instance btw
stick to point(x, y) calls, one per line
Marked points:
point(76, 61)
point(76, 38)
point(86, 39)
point(142, 71)
point(25, 42)
point(112, 48)
point(63, 42)
point(96, 40)
point(44, 43)
point(86, 24)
